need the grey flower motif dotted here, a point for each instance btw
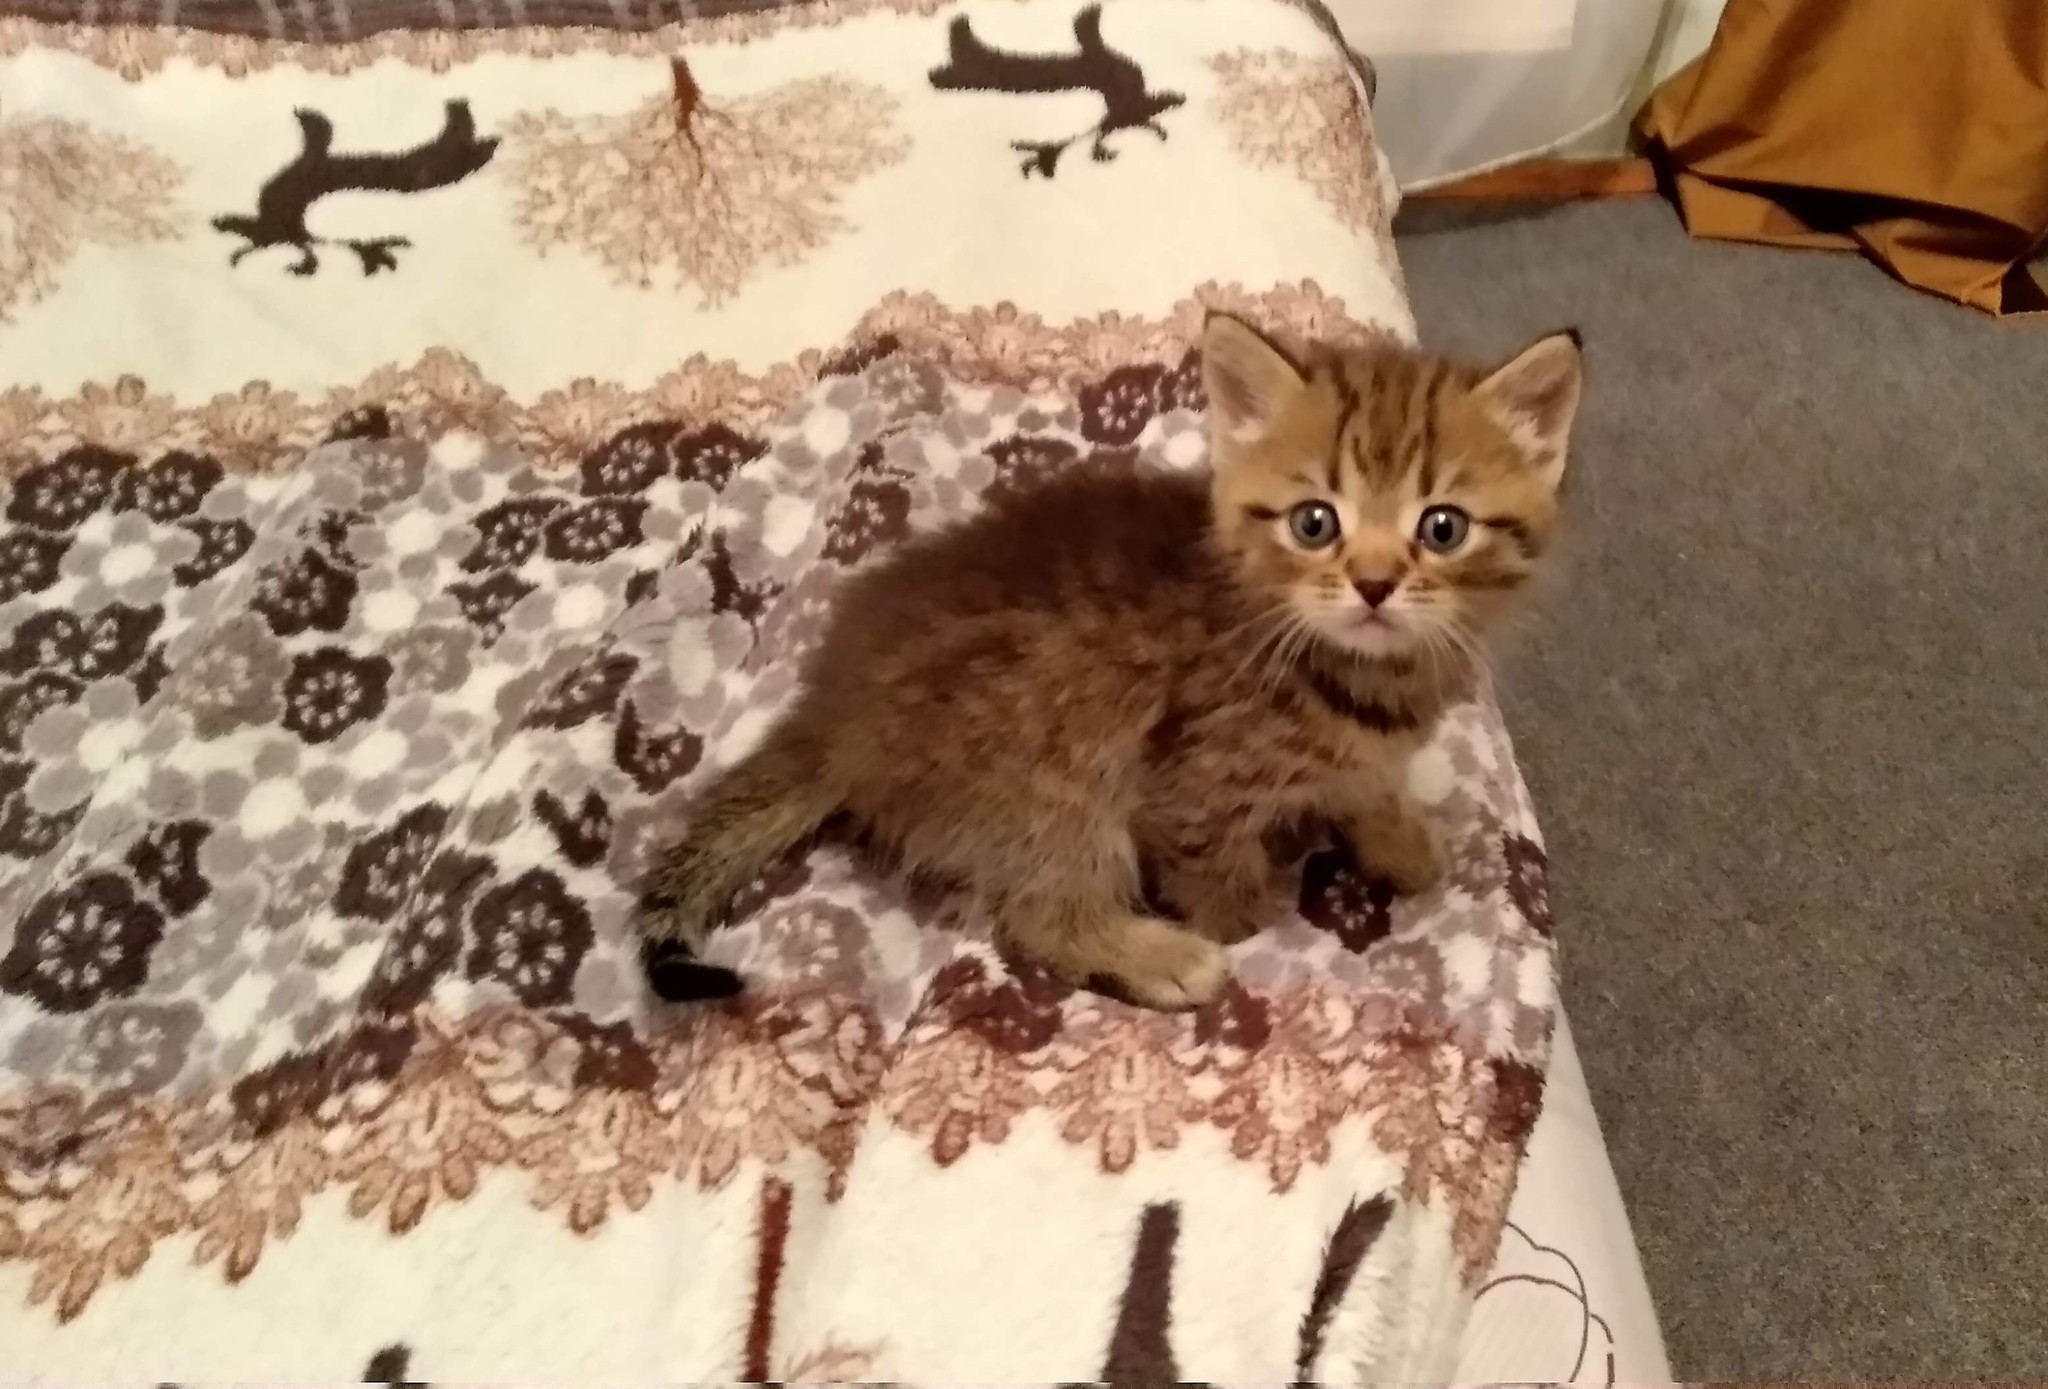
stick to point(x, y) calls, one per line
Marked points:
point(334, 477)
point(300, 887)
point(227, 500)
point(236, 679)
point(493, 820)
point(80, 744)
point(772, 532)
point(132, 565)
point(378, 794)
point(797, 618)
point(137, 1046)
point(170, 794)
point(196, 947)
point(436, 658)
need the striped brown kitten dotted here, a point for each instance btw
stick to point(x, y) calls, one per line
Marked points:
point(1126, 679)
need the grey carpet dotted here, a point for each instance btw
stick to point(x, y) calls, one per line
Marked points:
point(1786, 719)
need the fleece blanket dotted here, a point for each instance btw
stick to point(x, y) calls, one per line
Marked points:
point(432, 433)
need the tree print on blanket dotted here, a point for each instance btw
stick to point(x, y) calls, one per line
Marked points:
point(1304, 115)
point(1128, 102)
point(64, 186)
point(702, 192)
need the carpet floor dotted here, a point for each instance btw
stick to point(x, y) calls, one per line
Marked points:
point(1785, 714)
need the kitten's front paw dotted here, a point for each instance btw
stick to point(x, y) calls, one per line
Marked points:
point(1405, 853)
point(1158, 965)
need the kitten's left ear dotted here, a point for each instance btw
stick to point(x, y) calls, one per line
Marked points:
point(1537, 396)
point(1247, 379)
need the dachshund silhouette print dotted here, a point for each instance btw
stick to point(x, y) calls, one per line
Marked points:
point(283, 202)
point(1127, 103)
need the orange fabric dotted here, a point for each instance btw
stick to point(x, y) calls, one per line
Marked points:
point(1915, 131)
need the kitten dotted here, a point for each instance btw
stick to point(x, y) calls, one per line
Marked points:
point(1124, 684)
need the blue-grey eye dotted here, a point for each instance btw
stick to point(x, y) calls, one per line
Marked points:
point(1443, 528)
point(1313, 525)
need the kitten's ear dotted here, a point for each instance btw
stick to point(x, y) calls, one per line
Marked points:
point(1248, 380)
point(1537, 396)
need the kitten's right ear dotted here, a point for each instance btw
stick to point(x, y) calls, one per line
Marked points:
point(1248, 380)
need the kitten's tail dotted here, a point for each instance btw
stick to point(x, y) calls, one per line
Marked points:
point(752, 815)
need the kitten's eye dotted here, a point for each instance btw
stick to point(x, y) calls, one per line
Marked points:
point(1313, 525)
point(1443, 529)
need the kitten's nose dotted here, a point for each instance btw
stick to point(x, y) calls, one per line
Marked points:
point(1375, 591)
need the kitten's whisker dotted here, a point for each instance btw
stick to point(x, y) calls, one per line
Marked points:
point(1258, 648)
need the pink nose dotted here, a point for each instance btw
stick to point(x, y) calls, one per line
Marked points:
point(1375, 591)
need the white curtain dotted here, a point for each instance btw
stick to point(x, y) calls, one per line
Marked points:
point(1465, 85)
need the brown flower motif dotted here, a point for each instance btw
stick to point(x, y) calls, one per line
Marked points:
point(361, 422)
point(25, 832)
point(428, 942)
point(28, 562)
point(59, 494)
point(655, 761)
point(1338, 898)
point(165, 861)
point(510, 533)
point(1181, 388)
point(731, 593)
point(382, 870)
point(171, 487)
point(714, 453)
point(1529, 882)
point(1517, 1101)
point(1116, 409)
point(305, 593)
point(89, 646)
point(531, 935)
point(856, 358)
point(221, 543)
point(1016, 1012)
point(582, 835)
point(1024, 459)
point(586, 533)
point(588, 690)
point(82, 944)
point(22, 700)
point(330, 691)
point(876, 513)
point(486, 602)
point(631, 461)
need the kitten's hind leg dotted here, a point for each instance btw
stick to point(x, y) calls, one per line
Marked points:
point(1106, 947)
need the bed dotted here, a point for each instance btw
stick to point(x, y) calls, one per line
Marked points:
point(431, 432)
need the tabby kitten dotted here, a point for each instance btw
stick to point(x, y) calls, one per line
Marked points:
point(1114, 696)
